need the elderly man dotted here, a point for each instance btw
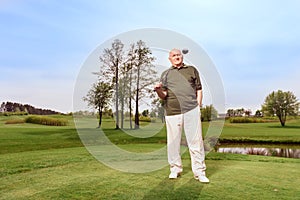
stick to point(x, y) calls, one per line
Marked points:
point(181, 89)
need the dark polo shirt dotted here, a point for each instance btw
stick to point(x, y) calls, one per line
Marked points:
point(181, 85)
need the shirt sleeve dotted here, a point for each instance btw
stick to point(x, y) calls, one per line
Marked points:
point(163, 80)
point(198, 84)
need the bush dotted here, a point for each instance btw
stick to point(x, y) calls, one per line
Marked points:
point(144, 119)
point(46, 121)
point(246, 120)
point(15, 121)
point(13, 113)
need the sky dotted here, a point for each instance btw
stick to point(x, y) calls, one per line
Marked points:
point(255, 45)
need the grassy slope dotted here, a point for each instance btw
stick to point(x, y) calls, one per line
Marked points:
point(40, 162)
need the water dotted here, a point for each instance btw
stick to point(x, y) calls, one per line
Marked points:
point(265, 151)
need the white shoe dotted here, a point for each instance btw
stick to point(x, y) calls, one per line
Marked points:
point(202, 178)
point(174, 175)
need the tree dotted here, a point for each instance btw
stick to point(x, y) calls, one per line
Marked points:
point(123, 96)
point(209, 113)
point(145, 113)
point(17, 107)
point(111, 61)
point(98, 97)
point(230, 113)
point(237, 112)
point(248, 112)
point(126, 86)
point(129, 74)
point(258, 113)
point(281, 104)
point(2, 107)
point(240, 112)
point(145, 75)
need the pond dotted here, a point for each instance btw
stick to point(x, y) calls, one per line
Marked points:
point(288, 152)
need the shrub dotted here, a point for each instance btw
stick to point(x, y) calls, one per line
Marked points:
point(15, 121)
point(246, 120)
point(46, 121)
point(13, 113)
point(144, 119)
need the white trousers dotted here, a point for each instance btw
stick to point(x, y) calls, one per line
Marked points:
point(191, 122)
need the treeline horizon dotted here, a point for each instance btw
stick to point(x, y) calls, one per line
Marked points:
point(13, 107)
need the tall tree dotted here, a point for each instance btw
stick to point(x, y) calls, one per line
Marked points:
point(131, 57)
point(145, 75)
point(209, 113)
point(126, 84)
point(281, 104)
point(111, 60)
point(98, 97)
point(122, 98)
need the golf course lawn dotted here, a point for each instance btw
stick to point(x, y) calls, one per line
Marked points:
point(263, 132)
point(45, 162)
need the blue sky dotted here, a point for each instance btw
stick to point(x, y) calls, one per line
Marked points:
point(255, 45)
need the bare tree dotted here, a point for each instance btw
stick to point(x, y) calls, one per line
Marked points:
point(129, 65)
point(145, 75)
point(132, 76)
point(111, 60)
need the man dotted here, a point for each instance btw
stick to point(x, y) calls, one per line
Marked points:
point(181, 89)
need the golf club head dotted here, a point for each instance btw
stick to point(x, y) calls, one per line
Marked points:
point(184, 51)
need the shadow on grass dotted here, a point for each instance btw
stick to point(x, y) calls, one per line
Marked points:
point(286, 126)
point(167, 189)
point(48, 131)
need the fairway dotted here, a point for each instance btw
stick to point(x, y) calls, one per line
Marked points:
point(42, 162)
point(263, 132)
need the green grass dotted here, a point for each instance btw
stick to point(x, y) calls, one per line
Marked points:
point(271, 132)
point(42, 162)
point(28, 137)
point(71, 173)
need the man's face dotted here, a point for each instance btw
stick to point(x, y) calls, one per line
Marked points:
point(176, 58)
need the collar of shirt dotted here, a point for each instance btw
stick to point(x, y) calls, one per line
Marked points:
point(178, 68)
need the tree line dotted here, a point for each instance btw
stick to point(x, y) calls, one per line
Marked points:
point(278, 103)
point(26, 108)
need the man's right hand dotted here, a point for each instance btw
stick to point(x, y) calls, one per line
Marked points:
point(158, 86)
point(160, 92)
